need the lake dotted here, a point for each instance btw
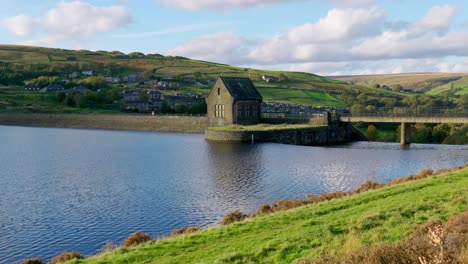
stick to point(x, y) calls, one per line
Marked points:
point(73, 190)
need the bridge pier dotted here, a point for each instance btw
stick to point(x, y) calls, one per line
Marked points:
point(405, 139)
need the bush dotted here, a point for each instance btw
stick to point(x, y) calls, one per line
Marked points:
point(136, 239)
point(184, 231)
point(369, 185)
point(264, 209)
point(32, 261)
point(233, 217)
point(65, 257)
point(371, 133)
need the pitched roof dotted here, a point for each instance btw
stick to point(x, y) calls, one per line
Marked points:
point(241, 88)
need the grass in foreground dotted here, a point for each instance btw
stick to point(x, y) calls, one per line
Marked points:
point(336, 227)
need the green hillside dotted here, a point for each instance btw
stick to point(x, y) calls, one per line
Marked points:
point(458, 87)
point(337, 227)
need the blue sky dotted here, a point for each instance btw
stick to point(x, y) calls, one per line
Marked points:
point(328, 37)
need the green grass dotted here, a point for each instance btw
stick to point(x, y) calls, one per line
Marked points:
point(381, 216)
point(298, 96)
point(460, 86)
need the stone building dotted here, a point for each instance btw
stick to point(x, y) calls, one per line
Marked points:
point(233, 100)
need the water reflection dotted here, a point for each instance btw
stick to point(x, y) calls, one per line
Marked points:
point(236, 171)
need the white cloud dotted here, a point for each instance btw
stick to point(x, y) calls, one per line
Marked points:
point(428, 37)
point(194, 5)
point(340, 25)
point(221, 47)
point(352, 3)
point(221, 4)
point(68, 21)
point(437, 19)
point(82, 19)
point(20, 25)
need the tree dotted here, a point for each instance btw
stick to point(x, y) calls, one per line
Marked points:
point(61, 96)
point(440, 132)
point(397, 87)
point(94, 82)
point(371, 133)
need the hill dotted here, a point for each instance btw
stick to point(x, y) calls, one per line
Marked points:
point(413, 81)
point(24, 62)
point(337, 227)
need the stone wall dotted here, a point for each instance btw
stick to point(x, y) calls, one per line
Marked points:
point(306, 136)
point(188, 124)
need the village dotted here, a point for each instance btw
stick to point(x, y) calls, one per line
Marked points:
point(164, 94)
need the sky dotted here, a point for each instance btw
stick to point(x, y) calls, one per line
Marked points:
point(326, 37)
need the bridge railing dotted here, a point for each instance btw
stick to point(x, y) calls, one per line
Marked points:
point(405, 112)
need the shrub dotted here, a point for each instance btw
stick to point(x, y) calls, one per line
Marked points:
point(184, 231)
point(283, 205)
point(233, 217)
point(136, 239)
point(32, 261)
point(264, 209)
point(369, 185)
point(65, 257)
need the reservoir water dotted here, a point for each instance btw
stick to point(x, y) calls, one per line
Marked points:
point(74, 190)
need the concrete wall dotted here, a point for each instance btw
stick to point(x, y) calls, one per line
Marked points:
point(306, 136)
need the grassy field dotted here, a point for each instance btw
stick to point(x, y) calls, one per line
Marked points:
point(413, 81)
point(460, 87)
point(299, 96)
point(335, 227)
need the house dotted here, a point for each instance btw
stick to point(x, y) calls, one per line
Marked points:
point(131, 95)
point(87, 72)
point(233, 100)
point(168, 77)
point(188, 80)
point(111, 79)
point(52, 88)
point(162, 85)
point(73, 75)
point(133, 78)
point(269, 79)
point(31, 87)
point(80, 89)
point(155, 96)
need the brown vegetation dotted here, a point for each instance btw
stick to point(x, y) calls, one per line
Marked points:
point(136, 239)
point(233, 217)
point(185, 231)
point(65, 257)
point(32, 261)
point(430, 243)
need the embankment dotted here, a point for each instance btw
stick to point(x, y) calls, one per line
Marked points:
point(186, 124)
point(337, 227)
point(306, 136)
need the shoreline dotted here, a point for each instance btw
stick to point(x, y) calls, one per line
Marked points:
point(283, 209)
point(141, 123)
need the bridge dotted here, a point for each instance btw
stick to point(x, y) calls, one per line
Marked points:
point(406, 117)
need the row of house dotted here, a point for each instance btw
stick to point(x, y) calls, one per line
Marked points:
point(53, 88)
